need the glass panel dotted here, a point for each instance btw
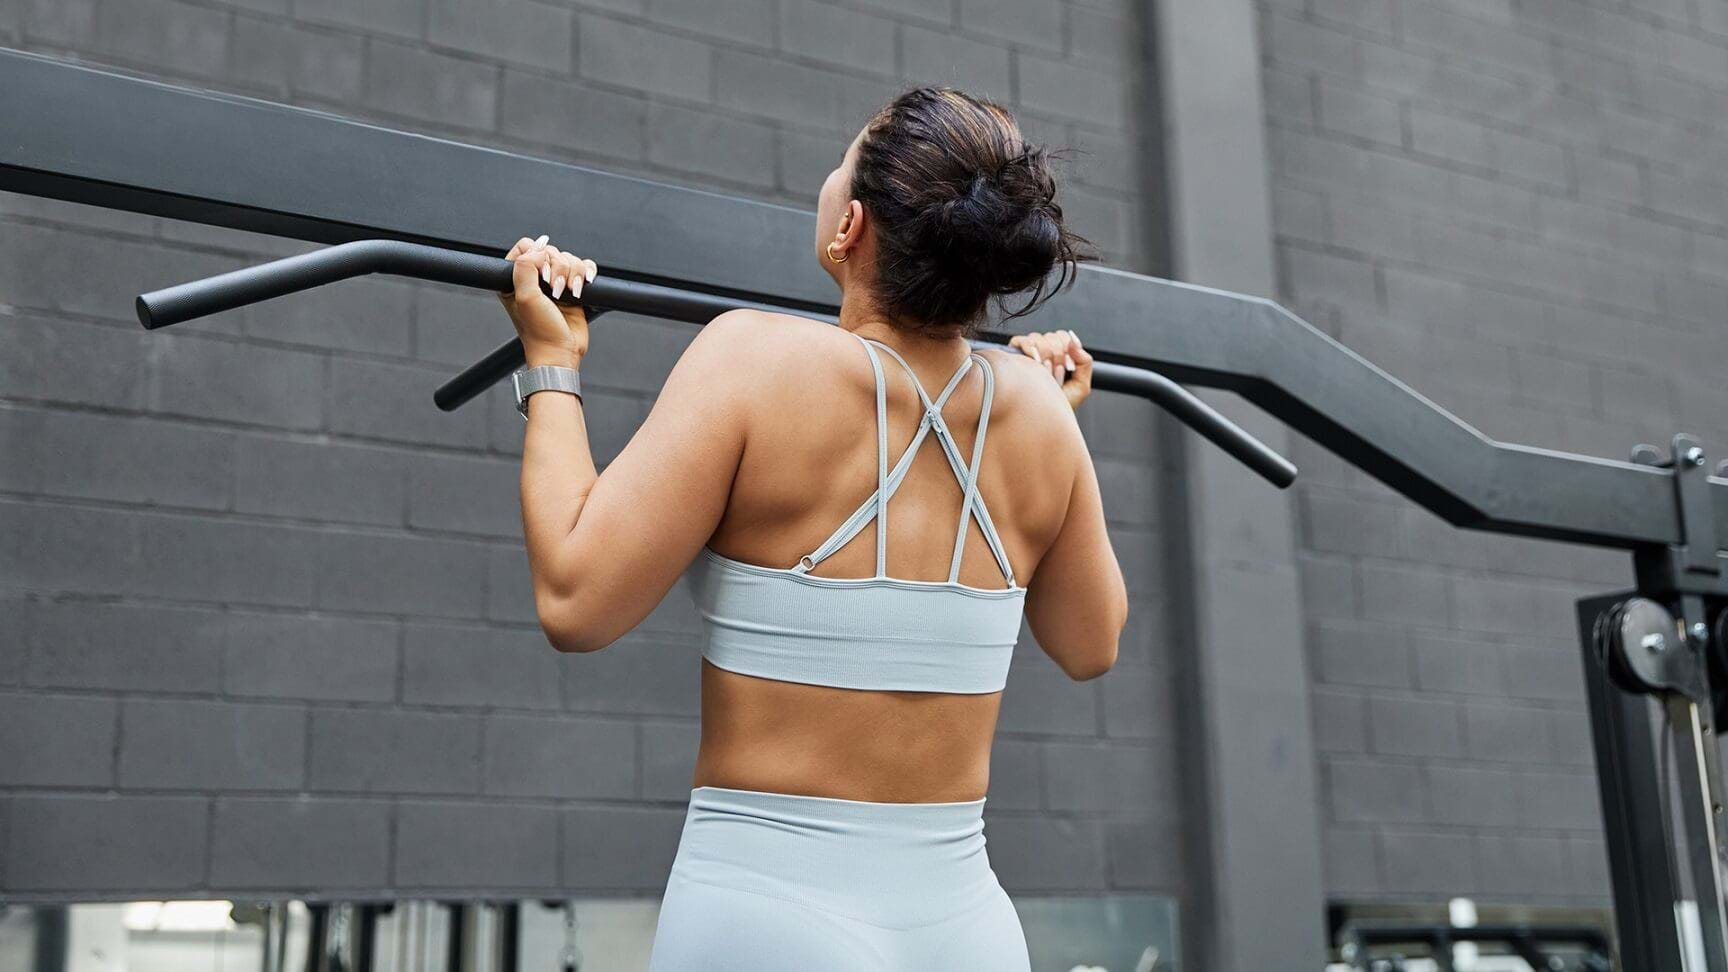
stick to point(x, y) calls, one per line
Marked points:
point(17, 937)
point(1120, 933)
point(135, 936)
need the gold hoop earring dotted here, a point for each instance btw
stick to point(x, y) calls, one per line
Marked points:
point(836, 259)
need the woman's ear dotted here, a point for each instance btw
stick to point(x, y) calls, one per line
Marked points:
point(851, 226)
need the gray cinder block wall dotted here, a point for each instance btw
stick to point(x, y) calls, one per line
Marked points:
point(262, 612)
point(1517, 206)
point(264, 617)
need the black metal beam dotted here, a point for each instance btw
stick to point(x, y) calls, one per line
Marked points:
point(237, 162)
point(86, 135)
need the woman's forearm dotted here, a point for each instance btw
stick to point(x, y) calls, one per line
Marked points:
point(557, 475)
point(558, 472)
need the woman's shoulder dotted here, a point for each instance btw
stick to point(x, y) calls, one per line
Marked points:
point(769, 332)
point(775, 344)
point(743, 320)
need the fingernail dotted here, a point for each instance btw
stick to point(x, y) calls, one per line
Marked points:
point(590, 271)
point(542, 240)
point(546, 272)
point(557, 288)
point(1070, 362)
point(576, 287)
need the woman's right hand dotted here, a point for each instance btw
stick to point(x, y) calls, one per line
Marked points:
point(551, 332)
point(1070, 364)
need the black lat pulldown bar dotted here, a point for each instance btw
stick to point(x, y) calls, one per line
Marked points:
point(249, 285)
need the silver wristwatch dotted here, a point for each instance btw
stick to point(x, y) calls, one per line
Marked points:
point(544, 378)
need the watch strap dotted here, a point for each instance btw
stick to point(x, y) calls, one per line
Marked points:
point(544, 378)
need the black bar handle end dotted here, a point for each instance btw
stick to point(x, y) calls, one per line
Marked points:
point(488, 371)
point(479, 376)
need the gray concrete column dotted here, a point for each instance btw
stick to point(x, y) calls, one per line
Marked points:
point(1257, 899)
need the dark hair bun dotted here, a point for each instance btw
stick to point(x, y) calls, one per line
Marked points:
point(965, 211)
point(1006, 222)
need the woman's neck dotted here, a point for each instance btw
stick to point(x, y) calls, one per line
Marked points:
point(915, 346)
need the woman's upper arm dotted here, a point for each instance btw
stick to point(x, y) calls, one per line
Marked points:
point(1076, 603)
point(659, 501)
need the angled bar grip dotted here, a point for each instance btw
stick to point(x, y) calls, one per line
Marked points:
point(1197, 415)
point(250, 285)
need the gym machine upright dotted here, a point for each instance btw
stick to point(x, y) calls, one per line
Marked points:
point(1656, 657)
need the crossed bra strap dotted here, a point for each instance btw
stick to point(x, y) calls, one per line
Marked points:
point(888, 480)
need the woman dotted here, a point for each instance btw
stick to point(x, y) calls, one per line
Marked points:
point(853, 660)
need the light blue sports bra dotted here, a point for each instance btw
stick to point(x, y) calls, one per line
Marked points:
point(877, 632)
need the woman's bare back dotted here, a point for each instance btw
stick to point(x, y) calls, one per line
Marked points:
point(810, 458)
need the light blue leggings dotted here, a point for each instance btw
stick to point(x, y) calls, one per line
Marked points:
point(775, 882)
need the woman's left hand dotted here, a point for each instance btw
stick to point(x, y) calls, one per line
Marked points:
point(1069, 362)
point(551, 332)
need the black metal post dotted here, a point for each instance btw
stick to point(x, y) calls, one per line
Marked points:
point(317, 937)
point(52, 927)
point(509, 936)
point(456, 942)
point(1640, 863)
point(1651, 707)
point(366, 936)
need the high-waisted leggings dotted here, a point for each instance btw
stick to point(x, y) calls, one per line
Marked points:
point(776, 882)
